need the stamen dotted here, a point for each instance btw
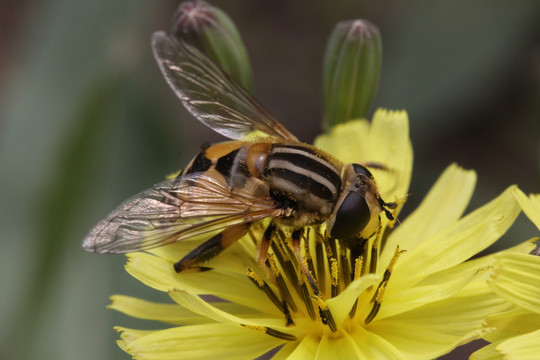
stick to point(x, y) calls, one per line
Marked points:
point(269, 331)
point(289, 320)
point(384, 237)
point(357, 271)
point(304, 293)
point(335, 278)
point(326, 315)
point(345, 267)
point(307, 267)
point(394, 259)
point(333, 248)
point(324, 312)
point(379, 293)
point(375, 250)
point(358, 262)
point(352, 313)
point(261, 284)
point(320, 274)
point(373, 312)
point(286, 263)
point(280, 335)
point(373, 263)
point(308, 258)
point(377, 300)
point(282, 286)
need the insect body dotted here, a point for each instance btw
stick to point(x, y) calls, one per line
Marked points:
point(229, 186)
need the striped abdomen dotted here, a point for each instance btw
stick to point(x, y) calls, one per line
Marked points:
point(227, 158)
point(303, 177)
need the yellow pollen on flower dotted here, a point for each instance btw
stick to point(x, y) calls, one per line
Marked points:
point(269, 331)
point(379, 293)
point(397, 254)
point(299, 266)
point(334, 272)
point(273, 266)
point(253, 275)
point(358, 267)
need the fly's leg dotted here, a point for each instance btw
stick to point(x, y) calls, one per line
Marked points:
point(262, 256)
point(266, 241)
point(324, 311)
point(296, 237)
point(210, 248)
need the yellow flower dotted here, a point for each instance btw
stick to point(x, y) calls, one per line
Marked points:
point(411, 293)
point(516, 278)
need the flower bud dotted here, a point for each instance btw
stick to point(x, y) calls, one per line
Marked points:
point(213, 32)
point(352, 67)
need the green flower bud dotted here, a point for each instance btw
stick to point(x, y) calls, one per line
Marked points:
point(352, 67)
point(213, 32)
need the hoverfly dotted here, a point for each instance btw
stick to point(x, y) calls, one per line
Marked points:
point(231, 185)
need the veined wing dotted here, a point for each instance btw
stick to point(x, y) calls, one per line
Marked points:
point(211, 95)
point(175, 210)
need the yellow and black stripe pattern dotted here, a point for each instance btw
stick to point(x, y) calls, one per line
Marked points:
point(298, 174)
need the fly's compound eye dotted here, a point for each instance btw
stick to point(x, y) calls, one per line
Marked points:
point(352, 216)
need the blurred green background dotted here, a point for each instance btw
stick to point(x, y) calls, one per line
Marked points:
point(86, 120)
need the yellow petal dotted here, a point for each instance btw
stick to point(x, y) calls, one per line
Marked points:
point(438, 287)
point(385, 141)
point(458, 242)
point(437, 328)
point(159, 274)
point(488, 352)
point(337, 346)
point(458, 315)
point(213, 341)
point(197, 305)
point(171, 313)
point(348, 141)
point(306, 348)
point(514, 322)
point(413, 341)
point(285, 351)
point(468, 277)
point(443, 205)
point(530, 206)
point(522, 347)
point(129, 335)
point(390, 145)
point(341, 305)
point(373, 346)
point(516, 278)
point(142, 309)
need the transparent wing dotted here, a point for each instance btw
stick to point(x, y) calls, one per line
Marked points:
point(175, 210)
point(209, 93)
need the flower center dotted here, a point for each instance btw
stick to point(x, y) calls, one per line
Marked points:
point(305, 268)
